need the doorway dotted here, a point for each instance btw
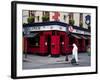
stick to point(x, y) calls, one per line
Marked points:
point(61, 46)
point(49, 44)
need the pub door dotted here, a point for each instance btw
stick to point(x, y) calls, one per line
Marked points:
point(55, 46)
point(49, 44)
point(62, 45)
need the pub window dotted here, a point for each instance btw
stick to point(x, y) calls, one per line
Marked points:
point(34, 42)
point(31, 13)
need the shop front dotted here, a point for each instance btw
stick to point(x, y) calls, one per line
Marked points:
point(54, 38)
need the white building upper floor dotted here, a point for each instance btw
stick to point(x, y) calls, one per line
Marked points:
point(77, 19)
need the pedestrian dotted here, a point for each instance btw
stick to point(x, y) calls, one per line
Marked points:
point(74, 54)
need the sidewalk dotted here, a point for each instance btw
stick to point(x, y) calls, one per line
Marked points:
point(38, 62)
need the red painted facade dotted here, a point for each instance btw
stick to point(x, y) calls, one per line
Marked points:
point(54, 43)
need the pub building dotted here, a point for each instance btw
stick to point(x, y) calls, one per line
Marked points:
point(54, 38)
point(56, 35)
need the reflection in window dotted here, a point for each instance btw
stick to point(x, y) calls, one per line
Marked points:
point(34, 42)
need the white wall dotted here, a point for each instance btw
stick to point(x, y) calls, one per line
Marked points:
point(51, 14)
point(76, 18)
point(62, 17)
point(25, 15)
point(5, 40)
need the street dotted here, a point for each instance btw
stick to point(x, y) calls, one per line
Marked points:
point(40, 62)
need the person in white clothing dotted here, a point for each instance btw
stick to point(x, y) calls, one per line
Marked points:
point(75, 53)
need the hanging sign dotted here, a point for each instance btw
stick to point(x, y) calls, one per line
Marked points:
point(71, 29)
point(45, 28)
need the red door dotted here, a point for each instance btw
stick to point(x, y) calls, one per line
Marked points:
point(55, 45)
point(43, 50)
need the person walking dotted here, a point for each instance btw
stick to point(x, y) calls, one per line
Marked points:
point(74, 54)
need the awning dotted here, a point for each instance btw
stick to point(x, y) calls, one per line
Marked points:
point(76, 36)
point(88, 37)
point(84, 37)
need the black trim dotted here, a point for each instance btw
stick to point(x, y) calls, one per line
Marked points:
point(14, 38)
point(55, 75)
point(96, 33)
point(46, 24)
point(54, 4)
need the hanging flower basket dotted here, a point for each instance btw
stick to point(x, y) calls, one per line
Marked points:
point(31, 19)
point(81, 24)
point(45, 18)
point(71, 22)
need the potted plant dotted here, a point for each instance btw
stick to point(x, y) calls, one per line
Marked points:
point(71, 22)
point(45, 18)
point(31, 19)
point(81, 24)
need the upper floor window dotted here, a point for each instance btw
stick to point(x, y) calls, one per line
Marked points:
point(71, 19)
point(70, 16)
point(81, 20)
point(31, 13)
